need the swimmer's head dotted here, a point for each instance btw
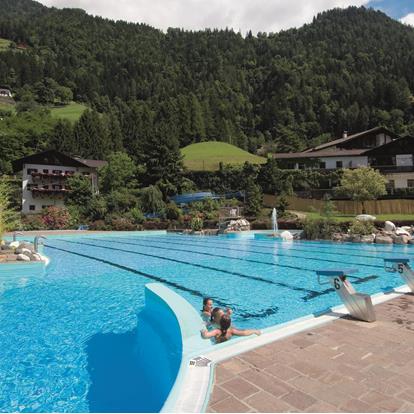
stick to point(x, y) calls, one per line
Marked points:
point(216, 315)
point(207, 304)
point(225, 323)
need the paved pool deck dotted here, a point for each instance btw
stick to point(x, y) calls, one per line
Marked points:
point(343, 366)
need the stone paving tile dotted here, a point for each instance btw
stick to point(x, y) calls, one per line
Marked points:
point(219, 394)
point(230, 405)
point(299, 400)
point(239, 387)
point(357, 406)
point(344, 366)
point(267, 382)
point(264, 402)
point(282, 372)
point(255, 359)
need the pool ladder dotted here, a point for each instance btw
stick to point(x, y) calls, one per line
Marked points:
point(401, 265)
point(359, 305)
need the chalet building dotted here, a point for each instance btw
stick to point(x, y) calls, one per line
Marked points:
point(44, 178)
point(377, 147)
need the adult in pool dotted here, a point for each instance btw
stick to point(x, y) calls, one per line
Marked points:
point(226, 331)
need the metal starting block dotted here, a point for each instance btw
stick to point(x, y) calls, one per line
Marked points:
point(401, 265)
point(359, 305)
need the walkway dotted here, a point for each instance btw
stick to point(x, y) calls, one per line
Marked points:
point(344, 366)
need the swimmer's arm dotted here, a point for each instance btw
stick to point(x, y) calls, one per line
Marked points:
point(245, 332)
point(210, 334)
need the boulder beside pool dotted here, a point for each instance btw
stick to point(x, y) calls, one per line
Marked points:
point(286, 235)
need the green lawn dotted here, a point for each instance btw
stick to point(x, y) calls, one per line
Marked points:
point(72, 112)
point(382, 217)
point(206, 156)
point(6, 107)
point(4, 44)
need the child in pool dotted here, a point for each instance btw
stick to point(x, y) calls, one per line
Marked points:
point(207, 309)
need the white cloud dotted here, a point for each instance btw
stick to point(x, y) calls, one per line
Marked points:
point(244, 15)
point(409, 19)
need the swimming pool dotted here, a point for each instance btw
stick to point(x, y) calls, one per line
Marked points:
point(70, 340)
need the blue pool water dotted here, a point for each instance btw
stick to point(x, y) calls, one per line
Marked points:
point(75, 338)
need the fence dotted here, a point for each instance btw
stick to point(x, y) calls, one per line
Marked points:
point(348, 207)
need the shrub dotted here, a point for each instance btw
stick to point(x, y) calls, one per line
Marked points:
point(97, 208)
point(315, 229)
point(362, 228)
point(56, 218)
point(136, 215)
point(33, 222)
point(121, 200)
point(282, 205)
point(9, 219)
point(197, 223)
point(172, 212)
point(99, 225)
point(122, 224)
point(151, 200)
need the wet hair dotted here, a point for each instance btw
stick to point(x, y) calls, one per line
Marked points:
point(214, 312)
point(225, 323)
point(205, 301)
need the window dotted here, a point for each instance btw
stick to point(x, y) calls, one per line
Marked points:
point(45, 187)
point(57, 171)
point(339, 164)
point(32, 207)
point(31, 170)
point(322, 165)
point(45, 171)
point(56, 187)
point(410, 183)
point(391, 184)
point(45, 206)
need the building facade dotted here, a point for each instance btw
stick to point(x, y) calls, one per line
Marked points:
point(44, 178)
point(379, 148)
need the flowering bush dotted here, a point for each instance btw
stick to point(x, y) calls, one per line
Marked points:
point(56, 218)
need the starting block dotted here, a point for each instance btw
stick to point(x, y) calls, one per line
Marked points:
point(359, 305)
point(402, 266)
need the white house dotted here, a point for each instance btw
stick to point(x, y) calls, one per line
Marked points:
point(377, 147)
point(44, 178)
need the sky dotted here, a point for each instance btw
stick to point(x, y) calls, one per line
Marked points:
point(243, 15)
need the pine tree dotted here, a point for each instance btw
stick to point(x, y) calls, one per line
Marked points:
point(63, 138)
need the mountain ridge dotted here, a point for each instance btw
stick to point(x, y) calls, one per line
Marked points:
point(350, 69)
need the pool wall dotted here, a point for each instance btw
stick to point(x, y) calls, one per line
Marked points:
point(188, 323)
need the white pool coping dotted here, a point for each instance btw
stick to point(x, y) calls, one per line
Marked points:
point(191, 393)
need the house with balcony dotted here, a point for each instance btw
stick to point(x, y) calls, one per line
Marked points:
point(378, 147)
point(44, 178)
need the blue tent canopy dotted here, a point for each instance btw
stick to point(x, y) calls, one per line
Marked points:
point(192, 197)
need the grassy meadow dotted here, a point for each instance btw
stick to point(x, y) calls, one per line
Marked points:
point(207, 156)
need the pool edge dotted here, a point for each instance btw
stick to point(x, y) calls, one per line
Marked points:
point(199, 381)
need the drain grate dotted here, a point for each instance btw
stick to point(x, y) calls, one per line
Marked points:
point(199, 362)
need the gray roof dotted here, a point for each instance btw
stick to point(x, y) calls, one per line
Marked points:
point(322, 153)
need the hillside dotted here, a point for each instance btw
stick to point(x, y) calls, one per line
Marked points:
point(72, 112)
point(350, 69)
point(207, 156)
point(4, 44)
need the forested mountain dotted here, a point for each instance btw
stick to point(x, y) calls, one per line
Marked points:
point(348, 70)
